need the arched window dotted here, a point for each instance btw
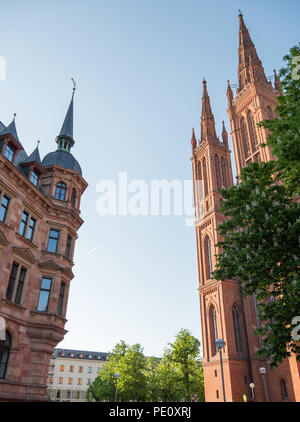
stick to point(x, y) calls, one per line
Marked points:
point(5, 346)
point(199, 172)
point(60, 191)
point(205, 176)
point(208, 257)
point(245, 139)
point(252, 131)
point(73, 198)
point(284, 391)
point(213, 327)
point(223, 169)
point(218, 173)
point(269, 113)
point(236, 316)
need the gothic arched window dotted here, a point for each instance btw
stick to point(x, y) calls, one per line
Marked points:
point(199, 171)
point(245, 139)
point(284, 391)
point(236, 316)
point(60, 191)
point(73, 198)
point(205, 176)
point(208, 257)
point(5, 346)
point(218, 172)
point(223, 169)
point(213, 325)
point(252, 131)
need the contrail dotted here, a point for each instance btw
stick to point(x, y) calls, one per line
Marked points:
point(94, 249)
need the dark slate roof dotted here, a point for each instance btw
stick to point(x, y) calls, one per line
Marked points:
point(67, 127)
point(34, 156)
point(20, 158)
point(63, 159)
point(75, 354)
point(2, 126)
point(11, 130)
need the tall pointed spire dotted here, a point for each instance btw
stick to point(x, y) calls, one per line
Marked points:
point(11, 130)
point(65, 139)
point(250, 67)
point(208, 130)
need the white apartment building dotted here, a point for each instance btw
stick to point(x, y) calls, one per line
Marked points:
point(71, 372)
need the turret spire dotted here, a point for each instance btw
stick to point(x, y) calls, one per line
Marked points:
point(208, 131)
point(250, 67)
point(65, 139)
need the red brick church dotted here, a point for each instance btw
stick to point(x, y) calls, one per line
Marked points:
point(39, 220)
point(225, 313)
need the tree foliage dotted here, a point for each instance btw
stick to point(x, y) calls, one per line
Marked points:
point(261, 232)
point(176, 376)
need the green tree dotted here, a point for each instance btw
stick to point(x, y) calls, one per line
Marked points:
point(260, 248)
point(130, 363)
point(183, 354)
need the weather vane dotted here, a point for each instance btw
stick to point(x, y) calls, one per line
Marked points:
point(240, 12)
point(74, 83)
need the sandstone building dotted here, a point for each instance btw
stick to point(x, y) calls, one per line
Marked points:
point(71, 372)
point(39, 220)
point(225, 313)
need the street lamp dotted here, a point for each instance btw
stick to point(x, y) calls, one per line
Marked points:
point(116, 377)
point(263, 371)
point(219, 345)
point(252, 385)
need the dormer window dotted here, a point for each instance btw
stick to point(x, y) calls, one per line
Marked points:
point(34, 178)
point(8, 153)
point(60, 191)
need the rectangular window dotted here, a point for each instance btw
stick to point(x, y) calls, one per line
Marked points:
point(34, 178)
point(71, 368)
point(4, 208)
point(90, 370)
point(89, 381)
point(70, 381)
point(53, 240)
point(50, 380)
point(60, 380)
point(30, 230)
point(62, 368)
point(61, 298)
point(8, 153)
point(44, 294)
point(12, 280)
point(217, 393)
point(20, 286)
point(23, 224)
point(79, 381)
point(216, 373)
point(80, 369)
point(68, 246)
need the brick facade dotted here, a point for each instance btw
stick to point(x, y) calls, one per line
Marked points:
point(225, 313)
point(35, 332)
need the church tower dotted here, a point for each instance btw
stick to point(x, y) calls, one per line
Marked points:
point(225, 313)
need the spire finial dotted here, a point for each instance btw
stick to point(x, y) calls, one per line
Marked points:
point(38, 143)
point(240, 12)
point(14, 116)
point(74, 87)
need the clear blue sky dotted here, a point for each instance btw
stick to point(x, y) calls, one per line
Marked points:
point(139, 67)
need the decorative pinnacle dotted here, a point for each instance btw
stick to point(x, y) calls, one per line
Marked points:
point(14, 116)
point(38, 142)
point(240, 12)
